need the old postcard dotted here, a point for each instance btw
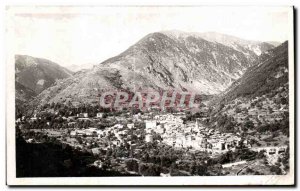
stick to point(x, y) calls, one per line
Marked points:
point(150, 95)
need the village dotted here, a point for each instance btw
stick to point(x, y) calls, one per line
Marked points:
point(171, 129)
point(126, 136)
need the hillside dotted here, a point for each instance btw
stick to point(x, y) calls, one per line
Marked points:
point(38, 74)
point(270, 73)
point(258, 101)
point(162, 60)
point(23, 93)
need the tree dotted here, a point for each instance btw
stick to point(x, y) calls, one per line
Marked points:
point(276, 170)
point(172, 168)
point(245, 110)
point(283, 100)
point(193, 168)
point(270, 109)
point(79, 139)
point(261, 154)
point(132, 165)
point(145, 157)
point(201, 170)
point(108, 153)
point(238, 110)
point(249, 124)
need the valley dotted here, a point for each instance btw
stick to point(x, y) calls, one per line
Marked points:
point(239, 127)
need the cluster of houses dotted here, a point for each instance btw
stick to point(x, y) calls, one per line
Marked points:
point(171, 128)
point(90, 132)
point(191, 135)
point(173, 131)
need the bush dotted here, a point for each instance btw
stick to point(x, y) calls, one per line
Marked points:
point(149, 170)
point(276, 170)
point(132, 165)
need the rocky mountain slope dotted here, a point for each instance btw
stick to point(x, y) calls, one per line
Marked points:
point(251, 49)
point(162, 60)
point(259, 99)
point(269, 73)
point(33, 75)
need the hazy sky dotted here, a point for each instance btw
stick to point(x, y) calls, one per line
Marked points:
point(91, 35)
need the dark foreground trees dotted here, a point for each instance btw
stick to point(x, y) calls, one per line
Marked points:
point(53, 159)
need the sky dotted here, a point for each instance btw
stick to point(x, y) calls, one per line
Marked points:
point(82, 35)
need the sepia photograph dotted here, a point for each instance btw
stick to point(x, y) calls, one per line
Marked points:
point(150, 95)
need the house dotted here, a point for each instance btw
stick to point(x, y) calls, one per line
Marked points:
point(84, 119)
point(165, 175)
point(71, 123)
point(91, 132)
point(219, 145)
point(272, 151)
point(80, 132)
point(83, 115)
point(150, 124)
point(149, 138)
point(73, 133)
point(98, 163)
point(130, 125)
point(99, 115)
point(34, 118)
point(92, 129)
point(281, 150)
point(118, 126)
point(96, 151)
point(71, 117)
point(29, 140)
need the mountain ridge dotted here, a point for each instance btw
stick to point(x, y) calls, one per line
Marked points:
point(157, 61)
point(33, 75)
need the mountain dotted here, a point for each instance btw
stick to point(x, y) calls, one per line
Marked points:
point(270, 73)
point(251, 49)
point(23, 93)
point(274, 43)
point(37, 74)
point(160, 61)
point(259, 99)
point(76, 68)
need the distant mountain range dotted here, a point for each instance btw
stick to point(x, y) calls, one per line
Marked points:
point(205, 63)
point(76, 68)
point(251, 49)
point(33, 75)
point(200, 62)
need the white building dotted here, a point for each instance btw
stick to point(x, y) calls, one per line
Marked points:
point(73, 133)
point(130, 125)
point(84, 115)
point(99, 115)
point(150, 124)
point(149, 138)
point(118, 126)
